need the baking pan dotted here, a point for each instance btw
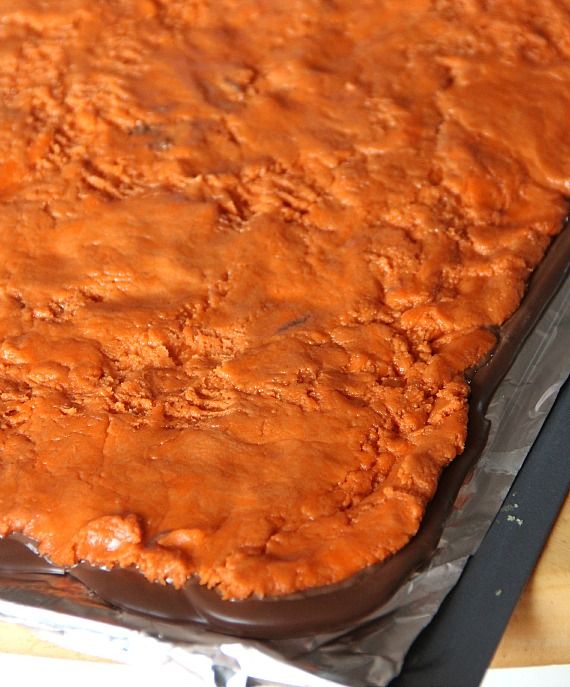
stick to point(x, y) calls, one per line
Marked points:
point(456, 647)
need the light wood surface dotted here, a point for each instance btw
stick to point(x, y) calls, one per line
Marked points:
point(539, 630)
point(538, 633)
point(15, 639)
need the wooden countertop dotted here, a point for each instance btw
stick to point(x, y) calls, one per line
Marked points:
point(538, 632)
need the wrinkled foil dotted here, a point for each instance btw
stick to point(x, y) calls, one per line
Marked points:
point(61, 610)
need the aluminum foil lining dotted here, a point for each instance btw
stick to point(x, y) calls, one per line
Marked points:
point(61, 610)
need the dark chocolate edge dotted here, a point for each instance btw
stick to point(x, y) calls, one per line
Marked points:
point(345, 604)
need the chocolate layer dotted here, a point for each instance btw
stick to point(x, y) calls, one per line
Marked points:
point(340, 605)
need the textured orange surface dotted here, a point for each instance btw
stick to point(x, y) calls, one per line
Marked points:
point(248, 251)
